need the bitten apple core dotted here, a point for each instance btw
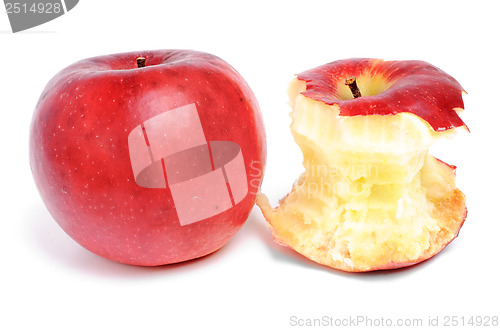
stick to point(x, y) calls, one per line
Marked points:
point(371, 197)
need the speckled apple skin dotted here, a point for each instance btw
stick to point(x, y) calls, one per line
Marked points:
point(80, 159)
point(414, 86)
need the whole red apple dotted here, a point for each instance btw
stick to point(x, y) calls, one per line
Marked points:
point(148, 158)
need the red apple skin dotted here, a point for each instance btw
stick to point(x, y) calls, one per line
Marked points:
point(419, 88)
point(80, 159)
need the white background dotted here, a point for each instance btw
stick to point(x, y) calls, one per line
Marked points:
point(49, 281)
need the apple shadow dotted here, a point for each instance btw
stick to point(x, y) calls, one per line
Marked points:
point(50, 243)
point(284, 254)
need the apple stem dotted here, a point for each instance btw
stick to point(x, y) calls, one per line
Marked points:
point(351, 82)
point(141, 62)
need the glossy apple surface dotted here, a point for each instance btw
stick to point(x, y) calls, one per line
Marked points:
point(388, 88)
point(148, 165)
